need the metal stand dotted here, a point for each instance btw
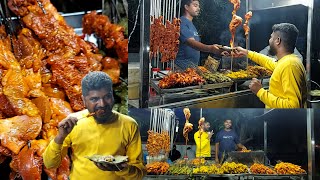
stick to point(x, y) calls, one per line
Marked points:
point(144, 55)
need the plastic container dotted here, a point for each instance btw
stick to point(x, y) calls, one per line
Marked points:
point(133, 91)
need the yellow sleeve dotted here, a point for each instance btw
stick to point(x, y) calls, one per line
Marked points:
point(262, 60)
point(135, 169)
point(54, 153)
point(290, 83)
point(204, 142)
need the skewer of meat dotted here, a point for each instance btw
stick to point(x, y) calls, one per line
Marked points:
point(247, 30)
point(246, 24)
point(99, 111)
point(234, 24)
point(236, 6)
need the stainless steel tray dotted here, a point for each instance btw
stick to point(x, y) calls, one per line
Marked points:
point(154, 84)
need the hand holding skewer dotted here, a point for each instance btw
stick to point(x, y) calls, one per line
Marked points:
point(66, 126)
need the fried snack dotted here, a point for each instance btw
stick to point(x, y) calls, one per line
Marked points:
point(234, 168)
point(238, 75)
point(258, 71)
point(261, 169)
point(198, 161)
point(247, 150)
point(288, 168)
point(213, 169)
point(157, 168)
point(180, 170)
point(213, 78)
point(203, 69)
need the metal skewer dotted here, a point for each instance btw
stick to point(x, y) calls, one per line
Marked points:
point(41, 6)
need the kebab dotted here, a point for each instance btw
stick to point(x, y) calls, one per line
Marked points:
point(246, 24)
point(236, 6)
point(99, 111)
point(164, 31)
point(234, 24)
point(187, 126)
point(159, 136)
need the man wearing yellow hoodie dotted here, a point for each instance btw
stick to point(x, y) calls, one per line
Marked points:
point(287, 86)
point(104, 133)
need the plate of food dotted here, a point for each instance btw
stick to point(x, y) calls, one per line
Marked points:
point(108, 159)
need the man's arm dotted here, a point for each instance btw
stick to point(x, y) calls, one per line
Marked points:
point(237, 141)
point(217, 152)
point(262, 60)
point(203, 47)
point(58, 148)
point(54, 153)
point(291, 84)
point(239, 145)
point(135, 168)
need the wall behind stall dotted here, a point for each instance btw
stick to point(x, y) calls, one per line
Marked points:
point(263, 20)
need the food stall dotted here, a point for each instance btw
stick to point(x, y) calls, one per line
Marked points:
point(258, 130)
point(45, 53)
point(203, 92)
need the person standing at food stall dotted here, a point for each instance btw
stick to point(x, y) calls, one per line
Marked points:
point(190, 45)
point(104, 132)
point(287, 86)
point(227, 140)
point(202, 139)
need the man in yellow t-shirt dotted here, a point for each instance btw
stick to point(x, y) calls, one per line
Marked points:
point(287, 86)
point(202, 139)
point(105, 133)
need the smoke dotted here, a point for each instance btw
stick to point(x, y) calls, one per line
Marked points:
point(239, 40)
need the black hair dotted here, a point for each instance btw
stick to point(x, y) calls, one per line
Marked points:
point(227, 120)
point(185, 2)
point(95, 80)
point(288, 34)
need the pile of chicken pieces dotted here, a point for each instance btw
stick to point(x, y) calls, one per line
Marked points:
point(41, 68)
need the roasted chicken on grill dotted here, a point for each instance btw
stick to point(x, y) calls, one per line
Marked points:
point(246, 24)
point(236, 6)
point(187, 126)
point(234, 24)
point(175, 80)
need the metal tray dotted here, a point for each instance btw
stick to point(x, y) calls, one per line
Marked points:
point(154, 84)
point(249, 79)
point(168, 176)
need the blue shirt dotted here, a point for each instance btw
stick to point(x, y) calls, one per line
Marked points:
point(227, 141)
point(186, 53)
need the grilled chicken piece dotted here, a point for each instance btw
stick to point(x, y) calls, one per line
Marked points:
point(16, 131)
